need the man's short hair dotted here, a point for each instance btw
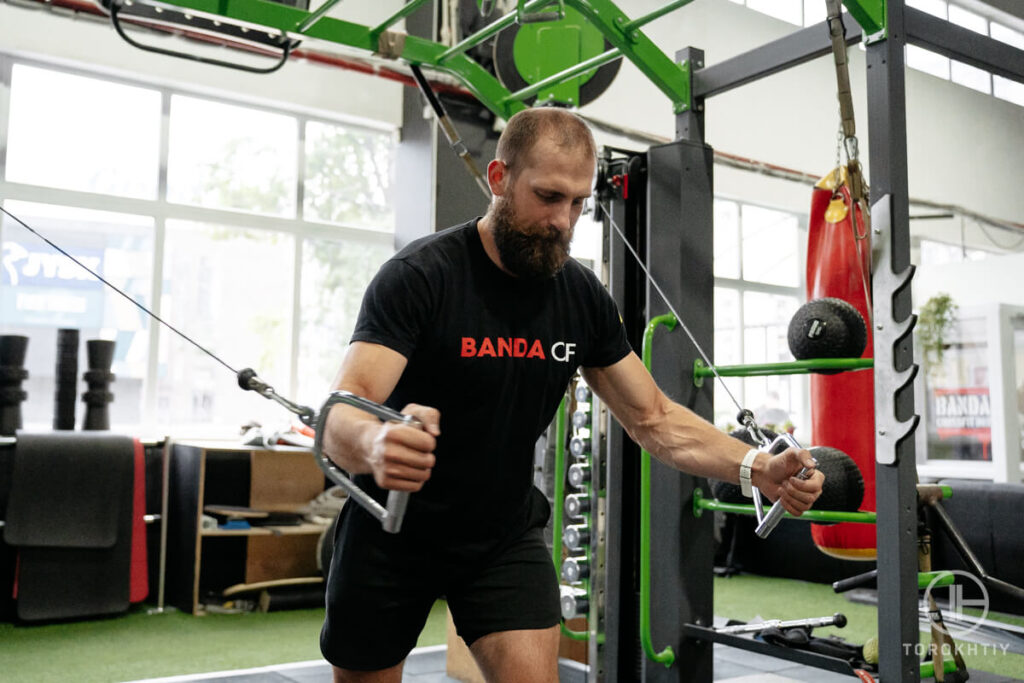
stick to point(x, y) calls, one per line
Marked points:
point(523, 130)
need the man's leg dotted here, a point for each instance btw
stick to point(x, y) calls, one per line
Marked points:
point(526, 656)
point(391, 675)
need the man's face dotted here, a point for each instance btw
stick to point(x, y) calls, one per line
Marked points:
point(534, 218)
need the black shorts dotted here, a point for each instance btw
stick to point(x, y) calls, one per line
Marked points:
point(381, 589)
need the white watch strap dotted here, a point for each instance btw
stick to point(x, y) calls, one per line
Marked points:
point(745, 470)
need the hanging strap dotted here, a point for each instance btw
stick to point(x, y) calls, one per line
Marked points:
point(837, 31)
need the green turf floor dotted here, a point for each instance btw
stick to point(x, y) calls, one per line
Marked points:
point(745, 597)
point(140, 645)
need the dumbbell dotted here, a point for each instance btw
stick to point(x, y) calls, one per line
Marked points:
point(581, 419)
point(576, 536)
point(579, 475)
point(577, 504)
point(574, 605)
point(575, 569)
point(579, 446)
point(582, 393)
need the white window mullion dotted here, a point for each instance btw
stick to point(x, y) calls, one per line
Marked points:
point(296, 319)
point(159, 238)
point(299, 245)
point(5, 108)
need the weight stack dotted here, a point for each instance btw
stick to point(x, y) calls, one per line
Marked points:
point(100, 355)
point(12, 374)
point(66, 376)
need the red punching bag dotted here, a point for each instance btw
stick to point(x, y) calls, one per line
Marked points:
point(843, 404)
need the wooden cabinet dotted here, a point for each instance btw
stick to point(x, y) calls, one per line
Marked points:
point(201, 563)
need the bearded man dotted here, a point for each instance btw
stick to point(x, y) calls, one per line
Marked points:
point(477, 331)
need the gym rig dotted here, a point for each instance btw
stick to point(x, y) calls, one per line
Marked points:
point(662, 198)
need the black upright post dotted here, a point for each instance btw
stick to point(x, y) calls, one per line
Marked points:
point(437, 190)
point(66, 379)
point(680, 259)
point(12, 373)
point(100, 353)
point(618, 657)
point(895, 422)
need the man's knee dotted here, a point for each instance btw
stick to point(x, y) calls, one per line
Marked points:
point(389, 675)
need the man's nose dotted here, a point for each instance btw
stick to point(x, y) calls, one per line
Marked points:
point(562, 217)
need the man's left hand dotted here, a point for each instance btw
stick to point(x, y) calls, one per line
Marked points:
point(779, 482)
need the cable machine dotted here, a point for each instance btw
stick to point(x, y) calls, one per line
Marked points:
point(663, 199)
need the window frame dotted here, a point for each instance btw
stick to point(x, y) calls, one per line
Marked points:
point(743, 286)
point(161, 210)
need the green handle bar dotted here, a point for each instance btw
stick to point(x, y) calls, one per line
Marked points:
point(556, 513)
point(700, 503)
point(795, 367)
point(928, 668)
point(666, 656)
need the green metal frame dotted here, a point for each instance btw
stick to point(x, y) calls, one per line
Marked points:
point(797, 367)
point(625, 35)
point(666, 656)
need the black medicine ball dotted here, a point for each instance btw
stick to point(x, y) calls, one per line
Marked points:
point(827, 328)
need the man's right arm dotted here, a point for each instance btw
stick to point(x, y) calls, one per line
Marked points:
point(400, 457)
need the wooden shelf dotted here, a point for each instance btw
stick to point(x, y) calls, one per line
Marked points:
point(288, 530)
point(202, 563)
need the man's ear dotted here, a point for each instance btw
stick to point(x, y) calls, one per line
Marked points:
point(497, 177)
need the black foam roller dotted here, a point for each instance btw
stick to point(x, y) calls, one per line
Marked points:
point(13, 349)
point(66, 377)
point(100, 355)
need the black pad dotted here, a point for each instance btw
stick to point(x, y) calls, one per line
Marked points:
point(69, 489)
point(66, 489)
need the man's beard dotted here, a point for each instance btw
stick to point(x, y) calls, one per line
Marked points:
point(531, 252)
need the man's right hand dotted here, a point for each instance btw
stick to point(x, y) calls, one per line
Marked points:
point(402, 456)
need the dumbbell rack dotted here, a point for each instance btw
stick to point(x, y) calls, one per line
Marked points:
point(582, 508)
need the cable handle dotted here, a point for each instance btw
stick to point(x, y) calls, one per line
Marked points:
point(390, 516)
point(776, 511)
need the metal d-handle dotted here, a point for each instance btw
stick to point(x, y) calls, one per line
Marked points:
point(390, 516)
point(768, 523)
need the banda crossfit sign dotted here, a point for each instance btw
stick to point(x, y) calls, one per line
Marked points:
point(963, 414)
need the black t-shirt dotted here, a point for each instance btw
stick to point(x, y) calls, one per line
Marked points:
point(494, 355)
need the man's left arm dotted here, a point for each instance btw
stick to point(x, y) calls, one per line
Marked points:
point(680, 438)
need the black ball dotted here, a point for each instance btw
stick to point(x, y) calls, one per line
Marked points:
point(843, 490)
point(827, 328)
point(844, 483)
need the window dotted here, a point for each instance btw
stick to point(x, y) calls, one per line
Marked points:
point(348, 176)
point(770, 248)
point(927, 61)
point(1007, 35)
point(757, 291)
point(810, 12)
point(232, 289)
point(223, 249)
point(334, 275)
point(76, 133)
point(230, 157)
point(42, 291)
